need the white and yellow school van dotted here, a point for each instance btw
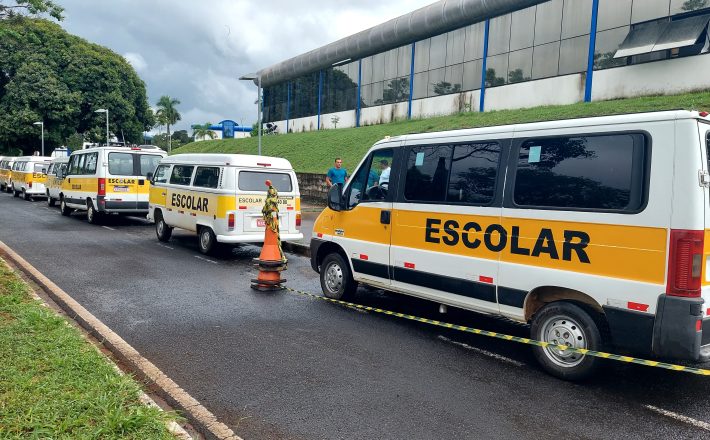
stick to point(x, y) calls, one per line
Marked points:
point(57, 168)
point(220, 197)
point(5, 171)
point(594, 231)
point(108, 180)
point(29, 175)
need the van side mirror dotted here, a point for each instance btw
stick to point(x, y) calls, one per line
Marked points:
point(149, 176)
point(335, 197)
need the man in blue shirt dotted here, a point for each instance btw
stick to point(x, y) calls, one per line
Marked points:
point(337, 174)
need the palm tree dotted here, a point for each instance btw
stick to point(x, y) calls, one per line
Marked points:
point(202, 131)
point(168, 113)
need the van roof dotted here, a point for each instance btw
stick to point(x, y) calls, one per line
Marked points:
point(668, 115)
point(60, 159)
point(33, 159)
point(121, 148)
point(235, 160)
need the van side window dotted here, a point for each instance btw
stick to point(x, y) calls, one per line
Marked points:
point(91, 160)
point(582, 172)
point(80, 164)
point(71, 168)
point(428, 173)
point(181, 174)
point(161, 174)
point(206, 177)
point(371, 182)
point(50, 170)
point(474, 172)
point(148, 162)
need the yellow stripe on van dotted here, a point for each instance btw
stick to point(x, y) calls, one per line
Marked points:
point(196, 202)
point(629, 252)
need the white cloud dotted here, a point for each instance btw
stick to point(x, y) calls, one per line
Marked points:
point(136, 60)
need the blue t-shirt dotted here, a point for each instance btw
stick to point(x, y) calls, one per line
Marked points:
point(337, 175)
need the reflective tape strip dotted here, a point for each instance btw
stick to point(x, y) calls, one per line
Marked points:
point(527, 341)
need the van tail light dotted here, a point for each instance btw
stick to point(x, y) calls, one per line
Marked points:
point(102, 186)
point(298, 219)
point(29, 184)
point(685, 263)
point(230, 221)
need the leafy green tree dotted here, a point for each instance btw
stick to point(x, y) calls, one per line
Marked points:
point(202, 131)
point(167, 110)
point(181, 136)
point(31, 7)
point(49, 75)
point(692, 5)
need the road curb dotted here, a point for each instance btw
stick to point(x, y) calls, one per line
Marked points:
point(166, 388)
point(297, 248)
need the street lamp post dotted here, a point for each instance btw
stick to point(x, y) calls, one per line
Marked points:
point(42, 124)
point(104, 110)
point(252, 77)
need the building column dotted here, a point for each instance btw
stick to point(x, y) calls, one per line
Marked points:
point(359, 93)
point(320, 92)
point(411, 83)
point(482, 103)
point(592, 48)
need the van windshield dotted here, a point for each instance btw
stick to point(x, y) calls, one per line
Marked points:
point(39, 167)
point(254, 181)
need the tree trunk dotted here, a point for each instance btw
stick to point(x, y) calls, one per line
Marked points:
point(170, 141)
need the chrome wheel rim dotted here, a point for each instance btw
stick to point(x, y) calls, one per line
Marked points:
point(562, 330)
point(205, 239)
point(161, 227)
point(90, 213)
point(333, 278)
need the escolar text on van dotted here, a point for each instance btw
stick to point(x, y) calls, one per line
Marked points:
point(220, 197)
point(594, 231)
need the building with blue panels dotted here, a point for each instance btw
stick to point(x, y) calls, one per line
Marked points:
point(470, 55)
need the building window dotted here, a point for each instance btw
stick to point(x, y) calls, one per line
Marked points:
point(573, 55)
point(546, 60)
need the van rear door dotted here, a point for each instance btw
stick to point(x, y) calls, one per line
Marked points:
point(704, 134)
point(251, 196)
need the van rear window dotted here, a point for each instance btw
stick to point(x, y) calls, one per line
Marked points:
point(130, 164)
point(254, 181)
point(604, 172)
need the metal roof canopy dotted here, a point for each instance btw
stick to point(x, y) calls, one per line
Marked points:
point(435, 19)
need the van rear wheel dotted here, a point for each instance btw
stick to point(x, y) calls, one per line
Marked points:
point(15, 193)
point(162, 230)
point(25, 195)
point(564, 323)
point(92, 215)
point(207, 241)
point(50, 201)
point(335, 278)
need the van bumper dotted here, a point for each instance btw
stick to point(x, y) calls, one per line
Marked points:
point(235, 239)
point(122, 207)
point(678, 331)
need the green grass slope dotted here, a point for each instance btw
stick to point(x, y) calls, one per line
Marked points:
point(313, 152)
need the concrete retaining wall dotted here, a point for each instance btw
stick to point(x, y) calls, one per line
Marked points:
point(313, 187)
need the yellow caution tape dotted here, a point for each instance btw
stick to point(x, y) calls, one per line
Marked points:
point(527, 341)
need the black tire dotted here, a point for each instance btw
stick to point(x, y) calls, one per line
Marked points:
point(15, 193)
point(206, 240)
point(162, 230)
point(65, 210)
point(92, 215)
point(336, 280)
point(25, 195)
point(50, 201)
point(565, 323)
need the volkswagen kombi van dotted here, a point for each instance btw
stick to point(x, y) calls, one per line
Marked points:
point(28, 177)
point(108, 180)
point(596, 231)
point(58, 167)
point(220, 197)
point(5, 171)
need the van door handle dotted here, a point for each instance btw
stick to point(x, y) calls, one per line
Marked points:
point(385, 217)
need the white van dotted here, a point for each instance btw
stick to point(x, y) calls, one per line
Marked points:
point(595, 231)
point(57, 168)
point(29, 174)
point(108, 180)
point(220, 197)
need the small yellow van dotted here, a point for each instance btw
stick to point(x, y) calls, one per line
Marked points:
point(29, 175)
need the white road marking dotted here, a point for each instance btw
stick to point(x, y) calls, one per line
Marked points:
point(109, 228)
point(166, 246)
point(679, 417)
point(206, 259)
point(484, 352)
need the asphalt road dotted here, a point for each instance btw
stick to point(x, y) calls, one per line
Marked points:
point(275, 366)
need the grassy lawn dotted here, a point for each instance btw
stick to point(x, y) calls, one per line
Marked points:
point(314, 151)
point(54, 384)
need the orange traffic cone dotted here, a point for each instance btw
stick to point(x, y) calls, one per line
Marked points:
point(271, 261)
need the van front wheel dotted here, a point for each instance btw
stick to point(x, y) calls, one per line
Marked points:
point(335, 278)
point(162, 230)
point(208, 241)
point(564, 323)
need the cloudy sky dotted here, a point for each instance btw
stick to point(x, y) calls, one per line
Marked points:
point(195, 50)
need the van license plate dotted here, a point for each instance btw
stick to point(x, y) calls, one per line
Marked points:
point(260, 223)
point(120, 189)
